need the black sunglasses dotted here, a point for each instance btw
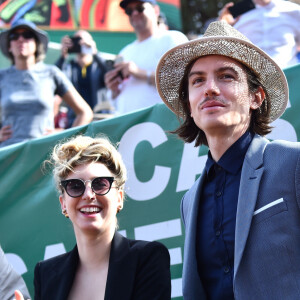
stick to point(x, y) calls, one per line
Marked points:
point(14, 36)
point(139, 8)
point(76, 187)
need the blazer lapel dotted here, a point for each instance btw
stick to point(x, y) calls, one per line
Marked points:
point(250, 180)
point(62, 275)
point(192, 284)
point(119, 278)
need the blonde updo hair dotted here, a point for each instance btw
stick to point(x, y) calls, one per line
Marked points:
point(82, 150)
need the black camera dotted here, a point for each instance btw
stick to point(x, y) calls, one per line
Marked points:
point(76, 47)
point(110, 65)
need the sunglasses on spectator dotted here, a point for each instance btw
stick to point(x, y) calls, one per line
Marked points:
point(139, 8)
point(76, 187)
point(14, 36)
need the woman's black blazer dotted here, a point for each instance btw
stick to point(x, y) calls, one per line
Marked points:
point(138, 270)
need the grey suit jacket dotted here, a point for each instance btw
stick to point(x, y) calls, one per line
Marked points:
point(267, 235)
point(10, 280)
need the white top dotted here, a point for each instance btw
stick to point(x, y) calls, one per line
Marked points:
point(136, 93)
point(275, 28)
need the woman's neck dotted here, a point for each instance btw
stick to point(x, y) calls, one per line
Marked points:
point(94, 250)
point(25, 63)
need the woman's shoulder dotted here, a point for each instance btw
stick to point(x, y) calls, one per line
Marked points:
point(7, 71)
point(148, 249)
point(41, 66)
point(58, 260)
point(142, 244)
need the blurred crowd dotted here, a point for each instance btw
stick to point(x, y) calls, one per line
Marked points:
point(38, 99)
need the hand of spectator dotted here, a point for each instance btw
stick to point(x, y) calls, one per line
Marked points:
point(113, 80)
point(52, 131)
point(225, 15)
point(129, 68)
point(19, 296)
point(5, 133)
point(66, 43)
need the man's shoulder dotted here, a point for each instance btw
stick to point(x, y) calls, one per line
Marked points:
point(128, 47)
point(173, 37)
point(282, 145)
point(286, 6)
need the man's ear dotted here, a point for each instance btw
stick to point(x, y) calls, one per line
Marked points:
point(258, 98)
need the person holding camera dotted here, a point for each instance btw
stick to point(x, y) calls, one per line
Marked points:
point(86, 71)
point(258, 25)
point(28, 87)
point(131, 82)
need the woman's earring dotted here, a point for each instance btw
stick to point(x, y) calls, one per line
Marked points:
point(119, 208)
point(64, 212)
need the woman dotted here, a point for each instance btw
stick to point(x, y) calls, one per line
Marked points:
point(90, 176)
point(28, 87)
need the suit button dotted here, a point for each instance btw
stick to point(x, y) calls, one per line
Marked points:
point(226, 270)
point(218, 232)
point(219, 193)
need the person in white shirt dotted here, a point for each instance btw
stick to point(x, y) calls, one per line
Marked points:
point(132, 82)
point(274, 26)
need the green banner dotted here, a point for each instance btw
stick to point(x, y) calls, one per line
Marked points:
point(160, 170)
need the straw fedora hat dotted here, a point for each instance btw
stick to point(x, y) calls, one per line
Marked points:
point(41, 35)
point(220, 39)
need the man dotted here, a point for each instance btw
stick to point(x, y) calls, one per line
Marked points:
point(10, 280)
point(132, 82)
point(242, 216)
point(86, 71)
point(274, 26)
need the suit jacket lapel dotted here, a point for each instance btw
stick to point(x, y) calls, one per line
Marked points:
point(192, 284)
point(119, 278)
point(250, 180)
point(62, 275)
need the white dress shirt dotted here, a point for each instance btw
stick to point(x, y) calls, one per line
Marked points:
point(275, 28)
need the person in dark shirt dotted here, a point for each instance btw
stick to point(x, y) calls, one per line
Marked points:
point(242, 215)
point(86, 71)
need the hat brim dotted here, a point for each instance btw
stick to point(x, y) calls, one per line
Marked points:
point(41, 35)
point(171, 67)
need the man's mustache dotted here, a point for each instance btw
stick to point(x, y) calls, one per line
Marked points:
point(206, 99)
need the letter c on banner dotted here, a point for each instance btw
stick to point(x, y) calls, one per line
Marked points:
point(154, 134)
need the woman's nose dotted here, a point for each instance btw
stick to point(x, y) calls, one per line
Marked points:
point(88, 193)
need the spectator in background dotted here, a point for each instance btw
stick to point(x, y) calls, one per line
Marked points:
point(162, 21)
point(86, 71)
point(132, 81)
point(27, 88)
point(274, 26)
point(10, 280)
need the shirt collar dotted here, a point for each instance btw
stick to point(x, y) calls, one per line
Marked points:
point(233, 158)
